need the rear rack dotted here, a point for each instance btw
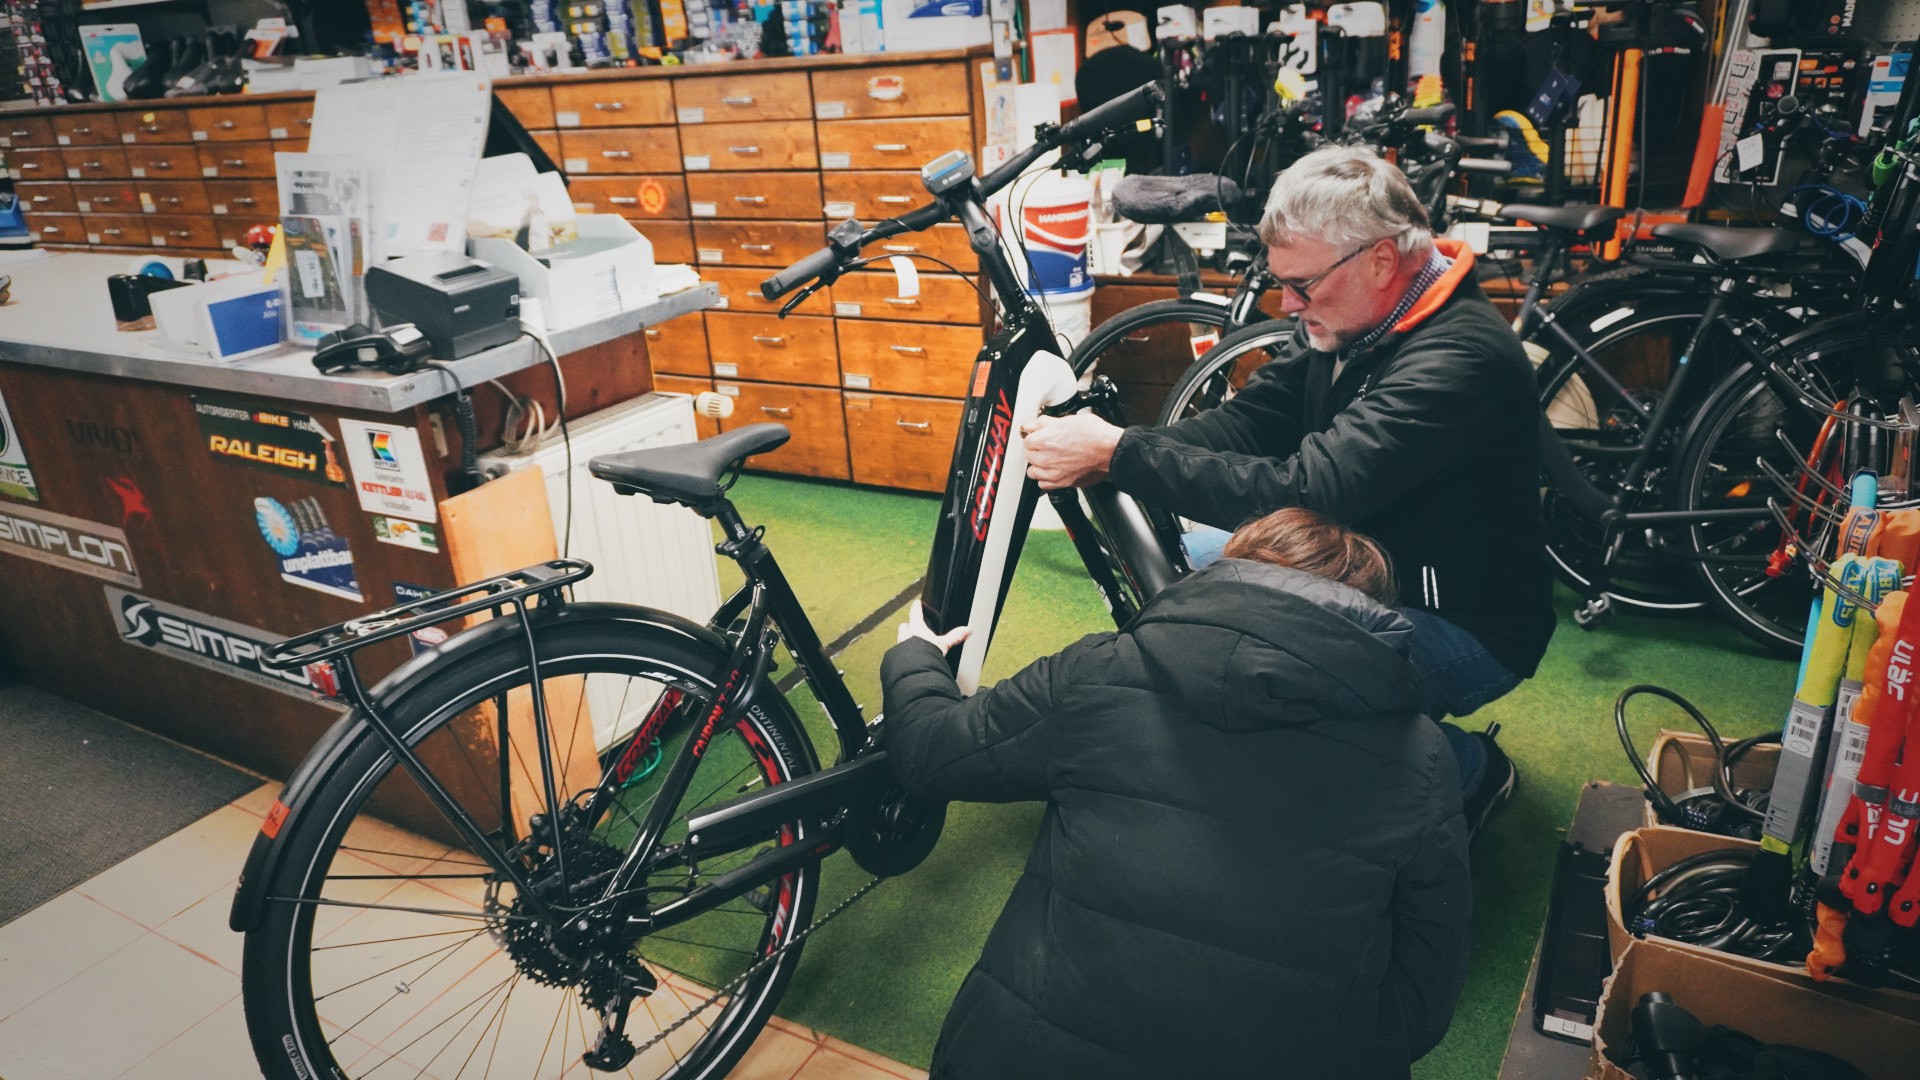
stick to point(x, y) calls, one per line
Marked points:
point(354, 634)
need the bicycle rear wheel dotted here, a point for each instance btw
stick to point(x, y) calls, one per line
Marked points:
point(1140, 347)
point(383, 952)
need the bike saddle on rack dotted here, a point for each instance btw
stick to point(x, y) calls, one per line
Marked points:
point(689, 473)
point(1171, 200)
point(1578, 219)
point(1728, 243)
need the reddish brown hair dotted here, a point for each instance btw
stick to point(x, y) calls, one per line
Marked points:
point(1307, 541)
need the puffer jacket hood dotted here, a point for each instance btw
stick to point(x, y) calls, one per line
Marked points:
point(1317, 650)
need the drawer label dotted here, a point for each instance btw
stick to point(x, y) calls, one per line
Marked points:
point(727, 388)
point(842, 307)
point(210, 170)
point(159, 241)
point(63, 140)
point(278, 133)
point(73, 174)
point(705, 209)
point(830, 110)
point(692, 115)
point(711, 255)
point(199, 136)
point(566, 119)
point(697, 162)
point(839, 209)
point(731, 371)
point(138, 172)
point(219, 208)
point(858, 382)
point(129, 137)
point(858, 401)
point(723, 304)
point(836, 161)
point(86, 206)
point(576, 164)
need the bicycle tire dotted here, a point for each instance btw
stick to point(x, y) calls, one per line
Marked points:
point(1132, 342)
point(1223, 371)
point(303, 963)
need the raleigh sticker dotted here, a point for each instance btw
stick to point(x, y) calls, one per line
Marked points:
point(58, 540)
point(389, 471)
point(271, 439)
point(202, 640)
point(16, 480)
point(310, 553)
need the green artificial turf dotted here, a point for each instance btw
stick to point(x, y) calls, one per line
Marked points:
point(882, 975)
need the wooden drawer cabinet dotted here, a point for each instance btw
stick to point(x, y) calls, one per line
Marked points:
point(943, 298)
point(870, 196)
point(679, 384)
point(46, 198)
point(548, 141)
point(229, 123)
point(117, 230)
point(633, 196)
point(748, 147)
point(251, 160)
point(86, 129)
point(175, 230)
point(907, 357)
point(174, 197)
point(163, 162)
point(106, 197)
point(58, 228)
point(26, 131)
point(773, 196)
point(899, 90)
point(672, 240)
point(249, 198)
point(797, 349)
point(620, 150)
point(770, 243)
point(531, 105)
point(37, 164)
point(947, 243)
point(289, 146)
point(157, 126)
point(729, 98)
point(891, 144)
point(94, 162)
point(819, 443)
point(294, 119)
point(904, 442)
point(679, 345)
point(613, 104)
point(740, 291)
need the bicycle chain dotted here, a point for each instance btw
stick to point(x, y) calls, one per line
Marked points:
point(741, 979)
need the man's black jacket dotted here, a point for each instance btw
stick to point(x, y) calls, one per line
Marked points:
point(1252, 863)
point(1428, 442)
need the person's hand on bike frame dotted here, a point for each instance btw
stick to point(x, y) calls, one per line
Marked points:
point(1069, 451)
point(916, 627)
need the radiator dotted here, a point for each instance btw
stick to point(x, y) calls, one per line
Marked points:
point(642, 552)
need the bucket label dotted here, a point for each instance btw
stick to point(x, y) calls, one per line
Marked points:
point(1055, 237)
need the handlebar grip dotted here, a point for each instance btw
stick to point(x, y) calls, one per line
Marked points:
point(1138, 104)
point(1485, 166)
point(799, 273)
point(1496, 143)
point(1432, 114)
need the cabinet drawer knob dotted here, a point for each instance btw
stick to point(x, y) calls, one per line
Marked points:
point(895, 200)
point(151, 129)
point(779, 410)
point(225, 125)
point(112, 232)
point(43, 198)
point(624, 200)
point(93, 164)
point(770, 340)
point(751, 200)
point(29, 166)
point(903, 301)
point(652, 334)
point(104, 200)
point(758, 248)
point(745, 99)
point(911, 425)
point(616, 155)
point(306, 121)
point(609, 106)
point(1140, 338)
point(180, 234)
point(910, 350)
point(899, 249)
point(171, 200)
point(237, 163)
point(18, 134)
point(892, 147)
point(163, 165)
point(245, 200)
point(743, 149)
point(50, 230)
point(83, 131)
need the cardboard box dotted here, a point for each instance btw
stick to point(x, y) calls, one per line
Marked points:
point(1837, 1021)
point(1683, 761)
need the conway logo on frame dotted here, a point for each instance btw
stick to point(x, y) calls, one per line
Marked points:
point(68, 542)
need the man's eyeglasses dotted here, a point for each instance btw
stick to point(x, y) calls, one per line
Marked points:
point(1297, 287)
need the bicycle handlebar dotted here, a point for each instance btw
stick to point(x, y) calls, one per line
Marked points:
point(1123, 111)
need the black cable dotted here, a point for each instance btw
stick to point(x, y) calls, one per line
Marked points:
point(566, 437)
point(1697, 900)
point(1663, 803)
point(464, 421)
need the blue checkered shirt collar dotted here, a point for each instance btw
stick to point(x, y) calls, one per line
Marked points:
point(1437, 265)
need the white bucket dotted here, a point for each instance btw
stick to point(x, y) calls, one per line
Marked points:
point(1070, 313)
point(1054, 212)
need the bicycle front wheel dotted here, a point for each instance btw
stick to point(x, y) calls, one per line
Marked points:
point(390, 951)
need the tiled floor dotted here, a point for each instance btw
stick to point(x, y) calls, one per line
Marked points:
point(134, 975)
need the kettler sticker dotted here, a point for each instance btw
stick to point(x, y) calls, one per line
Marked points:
point(16, 480)
point(203, 640)
point(271, 439)
point(70, 543)
point(389, 471)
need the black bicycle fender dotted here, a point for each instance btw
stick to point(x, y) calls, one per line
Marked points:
point(321, 761)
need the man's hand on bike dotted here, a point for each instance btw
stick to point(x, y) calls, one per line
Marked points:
point(1069, 451)
point(916, 627)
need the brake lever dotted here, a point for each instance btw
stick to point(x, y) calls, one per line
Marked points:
point(800, 296)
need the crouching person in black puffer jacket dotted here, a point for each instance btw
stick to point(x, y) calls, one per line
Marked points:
point(1253, 861)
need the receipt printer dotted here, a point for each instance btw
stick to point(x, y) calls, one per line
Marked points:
point(463, 305)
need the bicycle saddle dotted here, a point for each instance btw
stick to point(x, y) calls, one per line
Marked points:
point(1727, 243)
point(690, 472)
point(1577, 218)
point(1170, 200)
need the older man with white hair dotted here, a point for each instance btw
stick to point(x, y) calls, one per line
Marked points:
point(1404, 409)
